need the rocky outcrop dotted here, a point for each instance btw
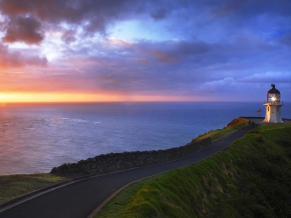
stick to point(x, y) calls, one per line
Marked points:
point(120, 161)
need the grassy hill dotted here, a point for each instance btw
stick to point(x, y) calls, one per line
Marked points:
point(250, 179)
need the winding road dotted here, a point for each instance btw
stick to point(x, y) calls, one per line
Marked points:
point(79, 198)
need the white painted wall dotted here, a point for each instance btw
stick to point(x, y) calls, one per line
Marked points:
point(273, 113)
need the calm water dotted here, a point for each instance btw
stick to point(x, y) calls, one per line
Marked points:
point(38, 137)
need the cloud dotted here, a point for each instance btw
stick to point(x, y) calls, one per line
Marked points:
point(69, 36)
point(226, 8)
point(207, 48)
point(159, 14)
point(94, 16)
point(286, 40)
point(163, 56)
point(267, 77)
point(120, 43)
point(23, 29)
point(15, 59)
point(170, 51)
point(210, 20)
point(172, 66)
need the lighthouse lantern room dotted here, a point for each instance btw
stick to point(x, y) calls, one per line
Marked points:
point(273, 106)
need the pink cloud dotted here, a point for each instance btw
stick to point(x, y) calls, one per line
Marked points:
point(10, 59)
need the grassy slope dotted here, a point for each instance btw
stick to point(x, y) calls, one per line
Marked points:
point(12, 186)
point(217, 134)
point(250, 179)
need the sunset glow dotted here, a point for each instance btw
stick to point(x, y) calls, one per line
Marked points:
point(52, 51)
point(79, 97)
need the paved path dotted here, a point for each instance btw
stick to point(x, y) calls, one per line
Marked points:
point(81, 198)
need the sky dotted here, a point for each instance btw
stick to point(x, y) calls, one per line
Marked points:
point(137, 50)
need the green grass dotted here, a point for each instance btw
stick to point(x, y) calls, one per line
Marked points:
point(250, 179)
point(12, 186)
point(218, 134)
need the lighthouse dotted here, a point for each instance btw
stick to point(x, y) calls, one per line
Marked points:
point(273, 106)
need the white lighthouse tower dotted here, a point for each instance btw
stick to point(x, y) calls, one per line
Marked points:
point(273, 106)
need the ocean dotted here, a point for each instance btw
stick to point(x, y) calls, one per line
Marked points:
point(37, 137)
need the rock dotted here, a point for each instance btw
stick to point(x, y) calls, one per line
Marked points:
point(117, 161)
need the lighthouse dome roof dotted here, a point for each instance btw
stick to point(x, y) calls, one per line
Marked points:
point(273, 90)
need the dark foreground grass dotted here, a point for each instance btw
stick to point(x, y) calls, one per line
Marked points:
point(250, 179)
point(12, 186)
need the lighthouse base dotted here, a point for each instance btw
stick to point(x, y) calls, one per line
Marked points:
point(273, 120)
point(273, 113)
